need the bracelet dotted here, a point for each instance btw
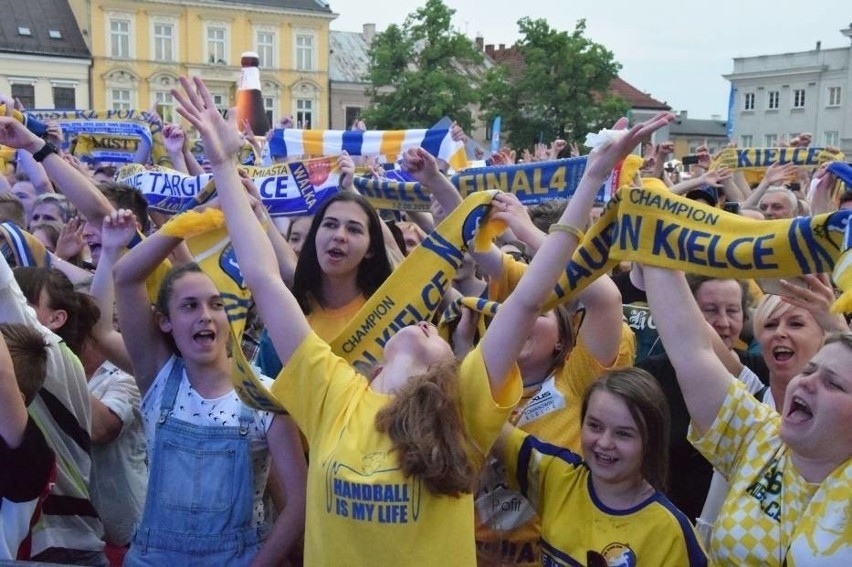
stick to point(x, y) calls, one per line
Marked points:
point(569, 229)
point(47, 149)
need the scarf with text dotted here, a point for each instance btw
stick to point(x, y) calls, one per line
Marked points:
point(138, 124)
point(642, 225)
point(286, 189)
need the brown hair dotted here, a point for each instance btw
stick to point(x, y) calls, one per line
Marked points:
point(425, 425)
point(649, 408)
point(12, 210)
point(29, 357)
point(81, 309)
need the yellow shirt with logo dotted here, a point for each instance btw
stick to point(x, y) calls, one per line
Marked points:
point(771, 515)
point(507, 525)
point(361, 510)
point(577, 528)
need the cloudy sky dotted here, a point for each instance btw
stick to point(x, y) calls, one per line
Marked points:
point(675, 51)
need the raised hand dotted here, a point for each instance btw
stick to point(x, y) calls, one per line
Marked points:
point(508, 208)
point(117, 231)
point(777, 173)
point(422, 165)
point(70, 241)
point(222, 140)
point(717, 176)
point(603, 158)
point(173, 138)
point(817, 299)
point(54, 133)
point(347, 170)
point(15, 135)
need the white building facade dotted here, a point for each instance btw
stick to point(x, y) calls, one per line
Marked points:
point(777, 97)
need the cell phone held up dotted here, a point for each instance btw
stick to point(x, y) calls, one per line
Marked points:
point(689, 160)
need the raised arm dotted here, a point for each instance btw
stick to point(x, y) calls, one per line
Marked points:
point(601, 328)
point(79, 189)
point(147, 346)
point(13, 412)
point(423, 167)
point(703, 378)
point(513, 322)
point(774, 175)
point(285, 322)
point(118, 229)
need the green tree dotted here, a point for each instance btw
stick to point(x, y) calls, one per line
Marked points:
point(422, 71)
point(561, 91)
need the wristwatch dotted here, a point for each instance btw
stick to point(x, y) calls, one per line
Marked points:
point(47, 149)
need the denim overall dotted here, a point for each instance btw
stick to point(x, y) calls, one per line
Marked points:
point(198, 510)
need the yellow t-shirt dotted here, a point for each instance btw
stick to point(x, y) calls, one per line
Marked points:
point(328, 323)
point(771, 515)
point(575, 524)
point(361, 510)
point(507, 526)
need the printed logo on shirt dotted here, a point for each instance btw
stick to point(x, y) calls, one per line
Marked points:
point(619, 555)
point(767, 490)
point(548, 400)
point(358, 493)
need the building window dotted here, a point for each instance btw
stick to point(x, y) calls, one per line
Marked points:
point(217, 39)
point(119, 38)
point(305, 52)
point(352, 113)
point(120, 99)
point(269, 108)
point(748, 101)
point(164, 41)
point(834, 96)
point(25, 92)
point(304, 113)
point(746, 141)
point(771, 140)
point(774, 101)
point(832, 138)
point(799, 98)
point(64, 98)
point(165, 105)
point(220, 101)
point(265, 47)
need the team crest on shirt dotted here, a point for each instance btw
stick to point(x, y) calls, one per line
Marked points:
point(619, 555)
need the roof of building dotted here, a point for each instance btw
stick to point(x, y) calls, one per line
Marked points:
point(511, 58)
point(309, 5)
point(41, 27)
point(349, 57)
point(698, 127)
point(634, 97)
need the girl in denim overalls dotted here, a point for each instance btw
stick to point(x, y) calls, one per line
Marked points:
point(367, 451)
point(208, 452)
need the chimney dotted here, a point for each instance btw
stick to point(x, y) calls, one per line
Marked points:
point(683, 115)
point(489, 50)
point(715, 117)
point(502, 47)
point(818, 45)
point(369, 32)
point(480, 42)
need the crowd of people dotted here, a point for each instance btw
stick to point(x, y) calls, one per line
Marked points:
point(717, 431)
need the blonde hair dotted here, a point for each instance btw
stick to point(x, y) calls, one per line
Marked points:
point(769, 306)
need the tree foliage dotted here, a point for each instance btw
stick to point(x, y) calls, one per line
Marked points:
point(562, 90)
point(421, 71)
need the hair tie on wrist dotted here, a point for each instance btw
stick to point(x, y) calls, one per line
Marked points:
point(569, 229)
